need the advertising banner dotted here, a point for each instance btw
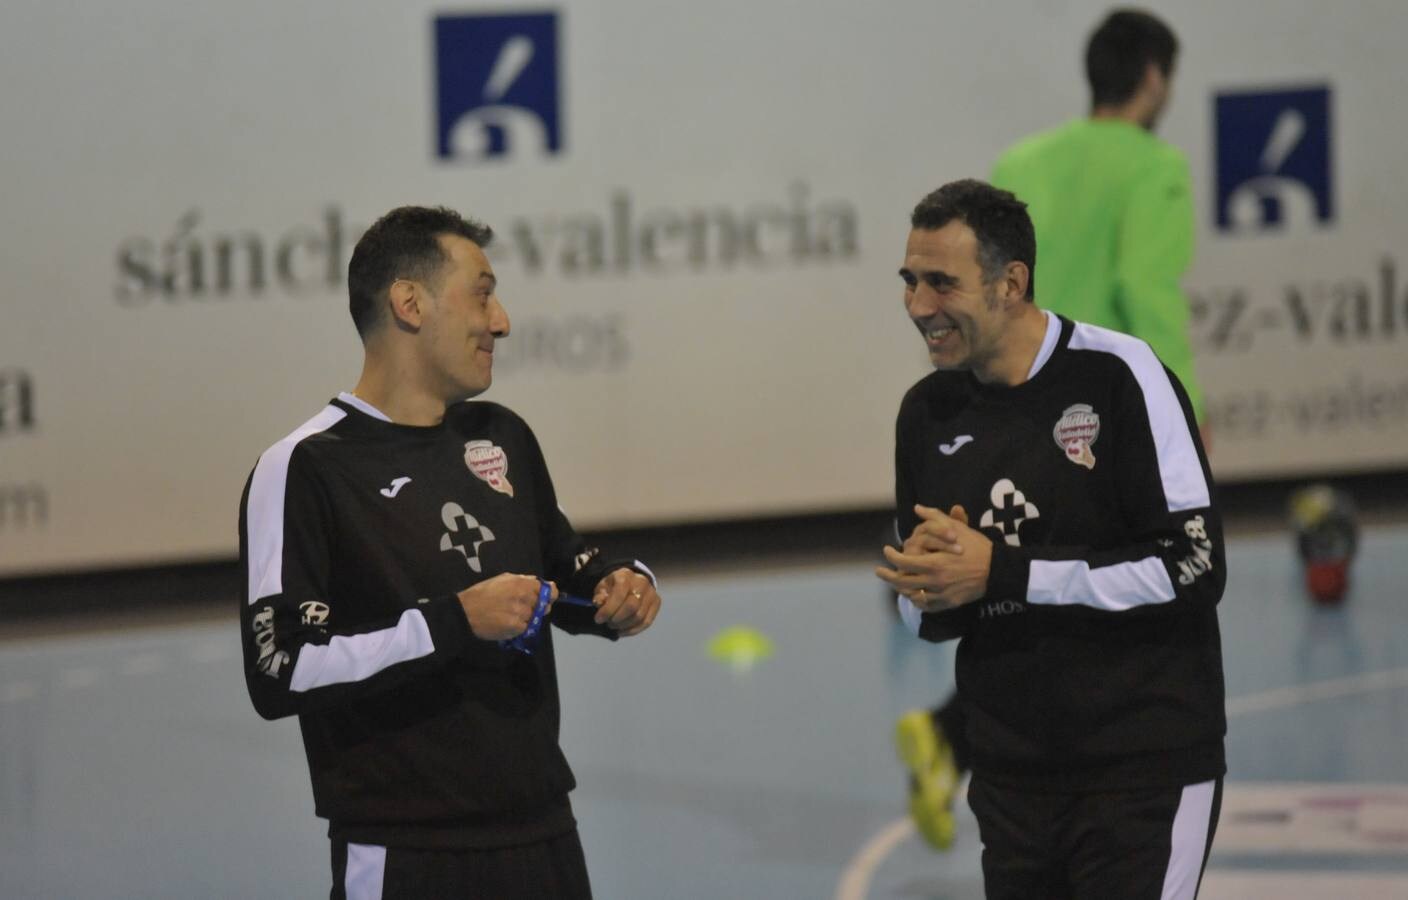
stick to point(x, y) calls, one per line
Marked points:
point(699, 213)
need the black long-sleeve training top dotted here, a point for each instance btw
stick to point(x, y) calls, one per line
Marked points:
point(1094, 660)
point(356, 535)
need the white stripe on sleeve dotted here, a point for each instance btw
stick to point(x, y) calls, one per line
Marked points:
point(357, 657)
point(366, 872)
point(910, 614)
point(1189, 842)
point(264, 511)
point(648, 574)
point(1179, 469)
point(1113, 588)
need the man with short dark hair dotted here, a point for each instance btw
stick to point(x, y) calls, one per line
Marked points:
point(1084, 591)
point(1112, 209)
point(405, 553)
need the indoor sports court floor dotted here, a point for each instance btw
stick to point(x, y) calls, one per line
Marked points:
point(132, 765)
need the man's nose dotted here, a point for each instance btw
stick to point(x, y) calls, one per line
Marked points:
point(922, 301)
point(498, 318)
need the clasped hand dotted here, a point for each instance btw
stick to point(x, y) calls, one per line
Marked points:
point(626, 601)
point(500, 608)
point(943, 564)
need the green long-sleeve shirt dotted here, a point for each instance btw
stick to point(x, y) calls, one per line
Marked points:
point(1113, 211)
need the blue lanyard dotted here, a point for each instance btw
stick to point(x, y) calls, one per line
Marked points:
point(526, 641)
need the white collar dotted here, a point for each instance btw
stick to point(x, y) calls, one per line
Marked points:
point(1048, 344)
point(353, 400)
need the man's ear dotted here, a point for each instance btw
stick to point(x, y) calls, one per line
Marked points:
point(1154, 79)
point(405, 299)
point(1015, 278)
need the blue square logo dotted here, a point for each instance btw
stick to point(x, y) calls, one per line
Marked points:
point(496, 86)
point(1273, 159)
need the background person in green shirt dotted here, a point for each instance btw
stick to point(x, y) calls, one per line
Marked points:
point(1112, 208)
point(1111, 203)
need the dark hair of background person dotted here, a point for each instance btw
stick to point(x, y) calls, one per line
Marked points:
point(1120, 50)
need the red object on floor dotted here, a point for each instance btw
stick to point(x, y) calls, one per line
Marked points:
point(1327, 581)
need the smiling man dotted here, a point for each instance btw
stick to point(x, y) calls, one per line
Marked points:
point(1060, 522)
point(1111, 207)
point(404, 552)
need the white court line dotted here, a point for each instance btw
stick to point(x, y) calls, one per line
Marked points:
point(855, 878)
point(1296, 694)
point(855, 881)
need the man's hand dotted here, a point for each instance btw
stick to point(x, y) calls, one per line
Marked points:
point(943, 564)
point(500, 608)
point(936, 535)
point(626, 601)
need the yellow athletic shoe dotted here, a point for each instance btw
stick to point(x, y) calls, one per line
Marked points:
point(933, 776)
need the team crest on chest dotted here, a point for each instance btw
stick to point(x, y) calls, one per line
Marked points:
point(1076, 432)
point(489, 463)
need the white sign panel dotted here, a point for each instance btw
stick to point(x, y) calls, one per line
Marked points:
point(699, 210)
